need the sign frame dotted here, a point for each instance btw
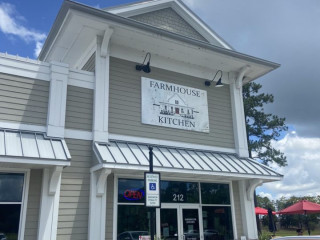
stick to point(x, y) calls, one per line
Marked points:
point(147, 191)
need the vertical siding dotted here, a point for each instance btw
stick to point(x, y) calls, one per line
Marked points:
point(74, 195)
point(125, 107)
point(110, 197)
point(23, 100)
point(79, 109)
point(33, 207)
point(237, 209)
point(169, 20)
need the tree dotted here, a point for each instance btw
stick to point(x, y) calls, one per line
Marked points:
point(262, 127)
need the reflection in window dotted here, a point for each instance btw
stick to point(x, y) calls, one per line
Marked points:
point(217, 223)
point(179, 192)
point(132, 218)
point(215, 193)
point(11, 188)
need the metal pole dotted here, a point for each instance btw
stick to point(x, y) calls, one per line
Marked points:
point(151, 209)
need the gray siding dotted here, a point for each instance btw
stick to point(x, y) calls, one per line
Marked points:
point(23, 100)
point(90, 64)
point(109, 219)
point(125, 107)
point(169, 20)
point(74, 195)
point(237, 209)
point(79, 110)
point(33, 207)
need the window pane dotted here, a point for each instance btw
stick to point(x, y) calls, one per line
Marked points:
point(215, 193)
point(183, 192)
point(9, 220)
point(131, 191)
point(133, 221)
point(217, 223)
point(11, 186)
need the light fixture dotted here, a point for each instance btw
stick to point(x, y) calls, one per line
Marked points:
point(218, 84)
point(145, 67)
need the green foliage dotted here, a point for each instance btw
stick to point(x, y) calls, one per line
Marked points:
point(265, 236)
point(262, 127)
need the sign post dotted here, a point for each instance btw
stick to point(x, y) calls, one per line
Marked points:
point(152, 187)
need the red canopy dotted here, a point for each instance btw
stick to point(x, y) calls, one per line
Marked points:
point(262, 211)
point(302, 207)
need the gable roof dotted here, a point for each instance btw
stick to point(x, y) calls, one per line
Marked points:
point(143, 7)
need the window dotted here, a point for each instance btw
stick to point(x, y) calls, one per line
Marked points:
point(176, 102)
point(217, 223)
point(215, 193)
point(179, 192)
point(11, 191)
point(131, 191)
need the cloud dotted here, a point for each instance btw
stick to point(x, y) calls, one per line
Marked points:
point(10, 25)
point(301, 176)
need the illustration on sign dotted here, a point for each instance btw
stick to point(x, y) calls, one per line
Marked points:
point(176, 106)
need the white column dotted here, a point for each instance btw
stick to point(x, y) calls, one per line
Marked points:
point(246, 189)
point(98, 203)
point(101, 88)
point(49, 207)
point(57, 99)
point(239, 124)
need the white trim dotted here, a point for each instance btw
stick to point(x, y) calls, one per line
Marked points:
point(97, 205)
point(59, 74)
point(40, 162)
point(78, 134)
point(238, 118)
point(24, 200)
point(86, 55)
point(115, 207)
point(233, 213)
point(21, 126)
point(169, 143)
point(80, 78)
point(49, 206)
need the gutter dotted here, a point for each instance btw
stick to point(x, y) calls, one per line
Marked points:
point(68, 5)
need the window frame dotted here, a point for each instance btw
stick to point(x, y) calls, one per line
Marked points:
point(24, 199)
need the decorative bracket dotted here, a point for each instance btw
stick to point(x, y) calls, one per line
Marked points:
point(101, 181)
point(252, 186)
point(241, 74)
point(54, 180)
point(105, 42)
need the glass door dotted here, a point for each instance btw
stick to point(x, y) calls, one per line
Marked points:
point(169, 224)
point(190, 223)
point(179, 223)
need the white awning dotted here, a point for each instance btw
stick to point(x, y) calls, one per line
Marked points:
point(130, 155)
point(32, 148)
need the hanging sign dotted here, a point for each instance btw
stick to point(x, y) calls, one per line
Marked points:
point(175, 106)
point(152, 185)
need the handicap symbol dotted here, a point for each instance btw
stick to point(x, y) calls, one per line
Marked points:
point(152, 187)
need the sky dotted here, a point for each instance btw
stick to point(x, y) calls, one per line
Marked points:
point(282, 31)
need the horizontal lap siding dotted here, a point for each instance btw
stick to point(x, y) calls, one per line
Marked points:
point(109, 217)
point(74, 194)
point(23, 100)
point(79, 108)
point(125, 107)
point(237, 209)
point(33, 207)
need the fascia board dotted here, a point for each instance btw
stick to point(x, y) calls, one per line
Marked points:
point(197, 23)
point(68, 5)
point(139, 7)
point(192, 172)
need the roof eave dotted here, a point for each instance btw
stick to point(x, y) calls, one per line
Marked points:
point(68, 5)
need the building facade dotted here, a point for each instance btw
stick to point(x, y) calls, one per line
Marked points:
point(77, 123)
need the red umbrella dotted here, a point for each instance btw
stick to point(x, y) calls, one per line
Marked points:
point(262, 211)
point(302, 207)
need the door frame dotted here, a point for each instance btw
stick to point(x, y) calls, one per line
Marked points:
point(179, 208)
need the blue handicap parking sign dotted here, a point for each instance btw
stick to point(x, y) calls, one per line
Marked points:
point(152, 187)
